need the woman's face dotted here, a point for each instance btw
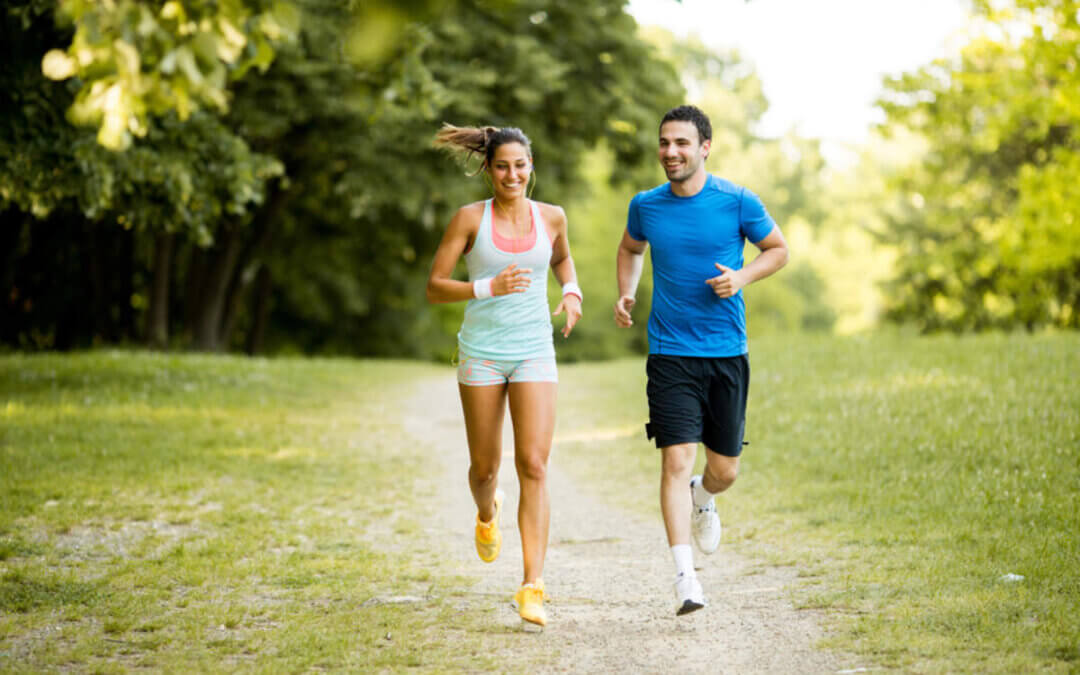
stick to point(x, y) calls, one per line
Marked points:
point(509, 170)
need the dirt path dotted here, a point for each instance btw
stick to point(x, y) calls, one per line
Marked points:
point(608, 574)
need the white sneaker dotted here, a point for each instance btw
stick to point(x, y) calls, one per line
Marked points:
point(705, 523)
point(689, 594)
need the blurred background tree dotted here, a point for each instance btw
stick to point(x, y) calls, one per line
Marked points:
point(258, 175)
point(80, 219)
point(380, 194)
point(985, 223)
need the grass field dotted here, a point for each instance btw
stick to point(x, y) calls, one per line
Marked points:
point(906, 477)
point(192, 513)
point(199, 514)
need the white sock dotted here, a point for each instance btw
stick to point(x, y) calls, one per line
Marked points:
point(684, 559)
point(702, 497)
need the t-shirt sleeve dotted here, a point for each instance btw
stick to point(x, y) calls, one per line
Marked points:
point(755, 223)
point(633, 220)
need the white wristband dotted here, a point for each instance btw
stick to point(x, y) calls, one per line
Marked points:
point(481, 288)
point(571, 288)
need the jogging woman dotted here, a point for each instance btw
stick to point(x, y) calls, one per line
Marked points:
point(505, 348)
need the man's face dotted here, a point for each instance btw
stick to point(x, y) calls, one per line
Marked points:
point(681, 152)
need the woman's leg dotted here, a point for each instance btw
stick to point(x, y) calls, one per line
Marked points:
point(483, 408)
point(532, 411)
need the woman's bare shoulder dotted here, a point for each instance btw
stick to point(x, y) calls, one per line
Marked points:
point(468, 215)
point(552, 213)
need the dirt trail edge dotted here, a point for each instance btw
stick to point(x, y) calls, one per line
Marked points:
point(608, 574)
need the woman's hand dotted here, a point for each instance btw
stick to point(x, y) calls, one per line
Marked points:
point(571, 304)
point(511, 279)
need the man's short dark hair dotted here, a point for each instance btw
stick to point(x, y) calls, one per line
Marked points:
point(689, 113)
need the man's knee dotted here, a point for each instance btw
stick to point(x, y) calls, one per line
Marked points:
point(679, 459)
point(721, 473)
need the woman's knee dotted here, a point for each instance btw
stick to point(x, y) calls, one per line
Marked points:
point(483, 473)
point(532, 466)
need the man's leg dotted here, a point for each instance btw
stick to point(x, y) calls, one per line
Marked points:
point(675, 502)
point(678, 463)
point(718, 476)
point(723, 436)
point(720, 472)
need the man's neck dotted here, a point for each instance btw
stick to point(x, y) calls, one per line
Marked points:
point(691, 186)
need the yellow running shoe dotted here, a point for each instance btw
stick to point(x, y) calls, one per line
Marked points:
point(530, 603)
point(488, 536)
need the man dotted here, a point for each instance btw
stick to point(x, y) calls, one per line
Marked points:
point(698, 369)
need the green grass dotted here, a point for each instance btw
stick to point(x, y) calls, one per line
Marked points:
point(194, 514)
point(905, 476)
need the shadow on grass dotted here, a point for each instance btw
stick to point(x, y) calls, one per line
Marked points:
point(22, 592)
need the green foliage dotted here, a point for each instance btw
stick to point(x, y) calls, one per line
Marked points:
point(132, 58)
point(984, 223)
point(184, 176)
point(100, 210)
point(363, 174)
point(794, 302)
point(304, 216)
point(597, 221)
point(332, 256)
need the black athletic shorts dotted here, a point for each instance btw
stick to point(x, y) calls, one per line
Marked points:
point(694, 399)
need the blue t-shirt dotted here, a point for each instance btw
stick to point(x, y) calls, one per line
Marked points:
point(686, 236)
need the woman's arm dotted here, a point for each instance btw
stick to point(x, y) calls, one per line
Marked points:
point(562, 266)
point(456, 240)
point(459, 235)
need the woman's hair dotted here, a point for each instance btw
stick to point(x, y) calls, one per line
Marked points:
point(480, 140)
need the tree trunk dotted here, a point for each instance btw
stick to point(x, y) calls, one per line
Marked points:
point(233, 293)
point(127, 325)
point(193, 288)
point(261, 311)
point(157, 316)
point(262, 228)
point(95, 312)
point(222, 266)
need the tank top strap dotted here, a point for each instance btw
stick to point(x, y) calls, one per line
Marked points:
point(538, 220)
point(487, 222)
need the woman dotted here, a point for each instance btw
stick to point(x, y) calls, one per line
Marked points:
point(505, 345)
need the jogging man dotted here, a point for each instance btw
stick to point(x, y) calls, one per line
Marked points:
point(698, 370)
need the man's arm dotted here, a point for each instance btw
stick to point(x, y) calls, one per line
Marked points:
point(773, 256)
point(628, 264)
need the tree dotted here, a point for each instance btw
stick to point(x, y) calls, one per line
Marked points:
point(135, 59)
point(79, 217)
point(380, 195)
point(985, 221)
point(304, 215)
